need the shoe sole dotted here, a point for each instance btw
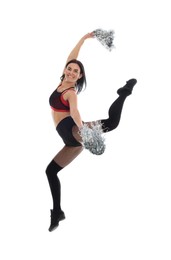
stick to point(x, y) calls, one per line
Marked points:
point(62, 217)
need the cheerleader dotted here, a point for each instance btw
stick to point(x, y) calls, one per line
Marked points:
point(75, 133)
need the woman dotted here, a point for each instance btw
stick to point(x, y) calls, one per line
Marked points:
point(69, 123)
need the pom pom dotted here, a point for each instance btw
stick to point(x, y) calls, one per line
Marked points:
point(92, 138)
point(105, 38)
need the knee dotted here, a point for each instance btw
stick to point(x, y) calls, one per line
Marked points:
point(52, 168)
point(47, 170)
point(108, 126)
point(81, 148)
point(78, 149)
point(105, 125)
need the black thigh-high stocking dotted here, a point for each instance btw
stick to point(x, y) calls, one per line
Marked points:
point(61, 160)
point(51, 171)
point(115, 111)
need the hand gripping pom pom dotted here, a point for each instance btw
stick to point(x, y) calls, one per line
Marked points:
point(92, 138)
point(105, 38)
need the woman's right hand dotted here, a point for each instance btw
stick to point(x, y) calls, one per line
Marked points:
point(88, 35)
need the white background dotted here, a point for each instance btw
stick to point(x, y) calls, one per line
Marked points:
point(117, 205)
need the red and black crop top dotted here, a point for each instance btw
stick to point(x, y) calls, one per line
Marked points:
point(57, 102)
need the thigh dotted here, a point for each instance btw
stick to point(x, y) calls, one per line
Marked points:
point(67, 154)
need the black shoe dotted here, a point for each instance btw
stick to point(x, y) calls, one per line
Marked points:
point(127, 89)
point(55, 218)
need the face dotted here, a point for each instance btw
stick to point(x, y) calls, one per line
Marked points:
point(72, 73)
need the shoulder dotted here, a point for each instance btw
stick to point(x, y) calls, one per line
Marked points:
point(70, 94)
point(70, 91)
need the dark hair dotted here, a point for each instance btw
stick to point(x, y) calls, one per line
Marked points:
point(80, 82)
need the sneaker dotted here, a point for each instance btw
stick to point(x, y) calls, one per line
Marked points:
point(55, 218)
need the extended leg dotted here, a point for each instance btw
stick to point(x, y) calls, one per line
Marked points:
point(92, 138)
point(115, 109)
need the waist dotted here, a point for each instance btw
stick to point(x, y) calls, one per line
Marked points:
point(59, 110)
point(58, 116)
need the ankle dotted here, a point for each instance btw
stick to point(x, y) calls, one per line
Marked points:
point(127, 89)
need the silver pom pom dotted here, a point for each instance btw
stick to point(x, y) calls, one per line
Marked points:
point(105, 38)
point(92, 138)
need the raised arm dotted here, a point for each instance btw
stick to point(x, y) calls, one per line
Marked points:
point(74, 53)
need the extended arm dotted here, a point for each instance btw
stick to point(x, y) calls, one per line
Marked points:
point(74, 53)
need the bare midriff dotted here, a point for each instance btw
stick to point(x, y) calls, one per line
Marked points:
point(58, 116)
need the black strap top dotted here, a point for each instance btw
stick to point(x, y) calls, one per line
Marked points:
point(57, 102)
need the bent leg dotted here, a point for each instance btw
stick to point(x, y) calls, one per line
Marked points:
point(64, 157)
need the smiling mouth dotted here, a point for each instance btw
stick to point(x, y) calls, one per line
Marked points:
point(69, 76)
